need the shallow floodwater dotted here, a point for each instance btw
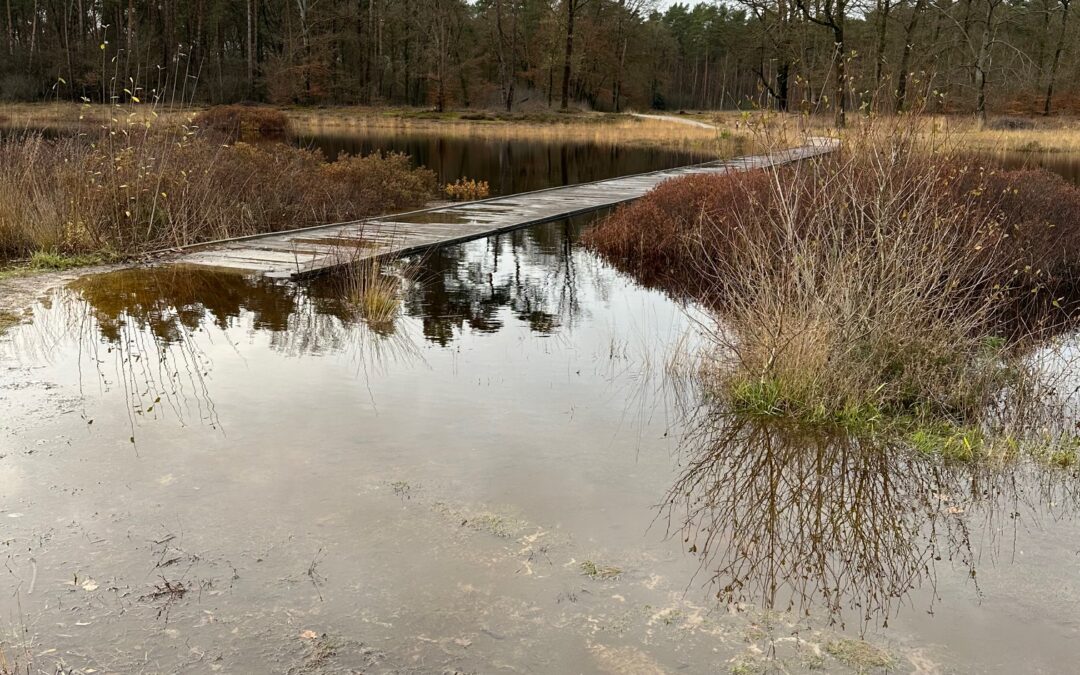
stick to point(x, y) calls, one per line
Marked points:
point(508, 165)
point(207, 472)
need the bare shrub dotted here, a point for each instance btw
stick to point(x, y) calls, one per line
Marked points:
point(890, 283)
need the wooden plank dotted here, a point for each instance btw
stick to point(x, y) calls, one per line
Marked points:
point(311, 250)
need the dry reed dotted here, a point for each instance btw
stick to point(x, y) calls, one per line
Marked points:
point(134, 188)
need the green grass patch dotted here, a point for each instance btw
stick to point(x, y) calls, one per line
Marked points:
point(772, 398)
point(49, 260)
point(963, 444)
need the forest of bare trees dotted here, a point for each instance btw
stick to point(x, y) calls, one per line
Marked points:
point(973, 56)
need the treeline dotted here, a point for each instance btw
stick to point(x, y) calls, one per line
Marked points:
point(1013, 56)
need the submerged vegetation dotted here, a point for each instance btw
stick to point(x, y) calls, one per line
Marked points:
point(890, 288)
point(132, 188)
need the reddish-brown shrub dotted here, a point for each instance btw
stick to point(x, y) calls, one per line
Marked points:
point(666, 237)
point(885, 281)
point(244, 121)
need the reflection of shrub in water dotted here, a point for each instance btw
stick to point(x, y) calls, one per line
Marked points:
point(798, 522)
point(893, 286)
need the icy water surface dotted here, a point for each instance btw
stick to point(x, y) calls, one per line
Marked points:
point(210, 473)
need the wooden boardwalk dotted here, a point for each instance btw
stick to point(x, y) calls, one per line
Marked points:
point(298, 253)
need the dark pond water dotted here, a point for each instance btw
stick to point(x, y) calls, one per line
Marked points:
point(508, 165)
point(209, 472)
point(1065, 164)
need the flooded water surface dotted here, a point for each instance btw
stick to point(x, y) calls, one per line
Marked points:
point(508, 165)
point(206, 472)
point(1065, 164)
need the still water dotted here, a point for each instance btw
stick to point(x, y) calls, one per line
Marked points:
point(1065, 164)
point(214, 473)
point(508, 165)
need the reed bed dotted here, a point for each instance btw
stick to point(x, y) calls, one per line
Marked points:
point(133, 187)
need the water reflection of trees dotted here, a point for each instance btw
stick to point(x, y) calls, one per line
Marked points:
point(509, 165)
point(803, 523)
point(531, 273)
point(147, 331)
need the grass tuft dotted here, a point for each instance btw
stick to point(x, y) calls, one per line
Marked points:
point(373, 294)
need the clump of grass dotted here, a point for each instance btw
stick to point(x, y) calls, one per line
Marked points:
point(372, 294)
point(467, 189)
point(890, 287)
point(595, 570)
point(244, 121)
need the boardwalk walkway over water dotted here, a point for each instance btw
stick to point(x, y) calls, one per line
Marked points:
point(311, 250)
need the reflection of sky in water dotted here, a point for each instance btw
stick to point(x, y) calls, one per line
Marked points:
point(525, 371)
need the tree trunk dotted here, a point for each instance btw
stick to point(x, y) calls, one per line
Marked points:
point(33, 36)
point(1048, 103)
point(569, 55)
point(982, 63)
point(10, 31)
point(783, 85)
point(250, 49)
point(882, 32)
point(617, 90)
point(905, 56)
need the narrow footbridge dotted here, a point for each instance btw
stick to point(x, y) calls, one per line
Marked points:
point(298, 253)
